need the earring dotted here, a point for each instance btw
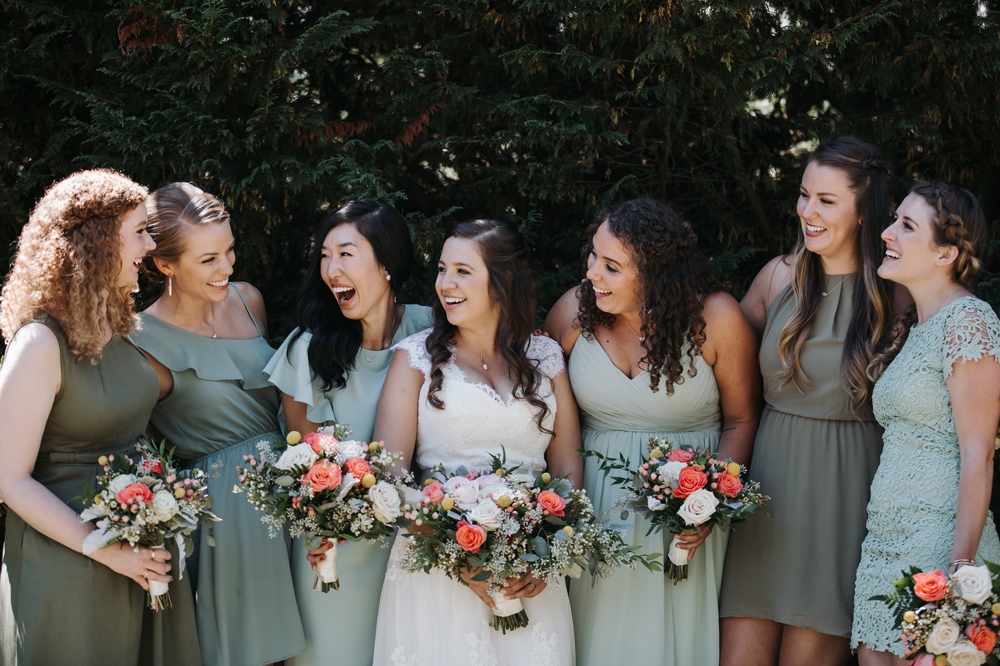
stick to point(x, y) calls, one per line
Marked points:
point(388, 277)
point(170, 286)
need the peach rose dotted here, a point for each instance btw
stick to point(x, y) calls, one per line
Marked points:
point(470, 537)
point(552, 503)
point(135, 493)
point(930, 586)
point(688, 481)
point(358, 467)
point(729, 485)
point(984, 639)
point(320, 443)
point(680, 455)
point(433, 492)
point(323, 475)
point(152, 466)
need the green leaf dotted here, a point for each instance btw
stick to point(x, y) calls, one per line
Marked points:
point(285, 481)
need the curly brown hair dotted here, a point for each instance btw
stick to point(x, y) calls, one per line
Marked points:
point(69, 258)
point(673, 277)
point(958, 220)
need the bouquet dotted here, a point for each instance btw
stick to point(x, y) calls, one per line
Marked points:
point(507, 525)
point(146, 503)
point(681, 489)
point(948, 619)
point(324, 486)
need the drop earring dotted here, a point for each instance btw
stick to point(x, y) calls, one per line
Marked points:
point(170, 286)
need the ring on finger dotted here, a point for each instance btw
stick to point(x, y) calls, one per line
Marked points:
point(533, 587)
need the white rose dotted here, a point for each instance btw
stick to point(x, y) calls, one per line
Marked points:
point(975, 583)
point(465, 492)
point(294, 456)
point(655, 504)
point(164, 505)
point(943, 637)
point(698, 507)
point(351, 449)
point(965, 653)
point(119, 482)
point(496, 491)
point(385, 502)
point(487, 514)
point(671, 471)
point(488, 481)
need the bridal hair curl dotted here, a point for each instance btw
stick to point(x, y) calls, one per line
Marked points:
point(867, 173)
point(673, 278)
point(69, 258)
point(512, 288)
point(958, 220)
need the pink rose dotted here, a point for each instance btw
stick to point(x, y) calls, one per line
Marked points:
point(470, 537)
point(680, 455)
point(152, 466)
point(433, 492)
point(323, 475)
point(320, 443)
point(551, 502)
point(135, 493)
point(358, 467)
point(923, 660)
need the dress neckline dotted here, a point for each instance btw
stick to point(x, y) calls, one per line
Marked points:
point(148, 315)
point(607, 357)
point(937, 314)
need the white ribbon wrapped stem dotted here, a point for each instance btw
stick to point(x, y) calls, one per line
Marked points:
point(678, 556)
point(327, 569)
point(506, 607)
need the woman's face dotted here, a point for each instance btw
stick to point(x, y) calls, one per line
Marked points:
point(349, 268)
point(828, 213)
point(612, 274)
point(912, 253)
point(463, 284)
point(136, 244)
point(203, 269)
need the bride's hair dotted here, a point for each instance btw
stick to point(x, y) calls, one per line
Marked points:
point(512, 288)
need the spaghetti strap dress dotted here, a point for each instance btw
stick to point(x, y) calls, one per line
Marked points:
point(816, 460)
point(58, 606)
point(636, 616)
point(340, 625)
point(220, 409)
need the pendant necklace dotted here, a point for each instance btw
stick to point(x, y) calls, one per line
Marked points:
point(387, 334)
point(642, 338)
point(197, 329)
point(827, 293)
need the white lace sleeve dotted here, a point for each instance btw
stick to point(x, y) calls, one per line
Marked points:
point(416, 351)
point(972, 331)
point(549, 355)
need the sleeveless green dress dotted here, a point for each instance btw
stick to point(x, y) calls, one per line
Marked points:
point(221, 409)
point(914, 496)
point(56, 605)
point(340, 625)
point(816, 460)
point(637, 616)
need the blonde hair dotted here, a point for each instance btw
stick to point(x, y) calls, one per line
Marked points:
point(69, 258)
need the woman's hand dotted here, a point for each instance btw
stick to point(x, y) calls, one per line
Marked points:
point(525, 585)
point(690, 541)
point(317, 555)
point(480, 587)
point(143, 566)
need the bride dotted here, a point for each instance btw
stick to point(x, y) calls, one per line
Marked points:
point(456, 393)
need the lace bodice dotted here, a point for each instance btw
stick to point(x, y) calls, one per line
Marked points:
point(475, 421)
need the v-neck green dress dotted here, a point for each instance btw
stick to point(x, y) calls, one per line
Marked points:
point(221, 409)
point(636, 616)
point(340, 625)
point(58, 606)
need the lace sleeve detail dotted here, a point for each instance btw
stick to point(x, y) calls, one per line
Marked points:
point(416, 351)
point(549, 355)
point(971, 332)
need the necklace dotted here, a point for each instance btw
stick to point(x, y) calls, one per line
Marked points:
point(387, 334)
point(642, 338)
point(827, 293)
point(187, 323)
point(486, 367)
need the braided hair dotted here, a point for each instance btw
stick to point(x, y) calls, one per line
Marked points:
point(958, 220)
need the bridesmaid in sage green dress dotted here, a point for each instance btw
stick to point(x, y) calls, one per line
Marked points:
point(331, 368)
point(206, 339)
point(70, 392)
point(697, 349)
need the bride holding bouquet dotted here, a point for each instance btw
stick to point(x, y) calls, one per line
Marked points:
point(477, 384)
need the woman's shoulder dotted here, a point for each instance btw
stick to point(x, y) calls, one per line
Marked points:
point(548, 353)
point(414, 344)
point(561, 322)
point(971, 329)
point(416, 318)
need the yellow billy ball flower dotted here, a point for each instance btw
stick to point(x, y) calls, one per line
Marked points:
point(909, 616)
point(368, 480)
point(546, 477)
point(568, 530)
point(374, 446)
point(941, 660)
point(428, 482)
point(734, 468)
point(995, 608)
point(103, 460)
point(447, 504)
point(293, 437)
point(179, 493)
point(655, 453)
point(501, 472)
point(503, 501)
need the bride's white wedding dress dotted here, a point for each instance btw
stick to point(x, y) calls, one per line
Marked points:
point(430, 619)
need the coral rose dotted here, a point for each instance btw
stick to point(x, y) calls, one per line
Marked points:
point(323, 475)
point(930, 586)
point(358, 467)
point(152, 466)
point(551, 502)
point(690, 480)
point(470, 537)
point(730, 485)
point(136, 493)
point(984, 639)
point(680, 455)
point(433, 492)
point(321, 443)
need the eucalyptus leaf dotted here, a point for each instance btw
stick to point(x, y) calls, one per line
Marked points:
point(285, 481)
point(481, 576)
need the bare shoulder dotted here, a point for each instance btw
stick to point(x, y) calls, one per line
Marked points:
point(774, 277)
point(720, 309)
point(33, 340)
point(32, 358)
point(561, 323)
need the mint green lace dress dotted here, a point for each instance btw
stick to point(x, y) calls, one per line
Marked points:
point(340, 625)
point(914, 496)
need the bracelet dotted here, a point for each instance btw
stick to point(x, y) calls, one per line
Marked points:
point(955, 565)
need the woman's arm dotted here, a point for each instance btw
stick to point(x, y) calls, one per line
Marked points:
point(561, 323)
point(563, 453)
point(769, 282)
point(396, 419)
point(295, 415)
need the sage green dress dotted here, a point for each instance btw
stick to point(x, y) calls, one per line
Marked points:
point(56, 605)
point(636, 616)
point(221, 409)
point(816, 460)
point(340, 625)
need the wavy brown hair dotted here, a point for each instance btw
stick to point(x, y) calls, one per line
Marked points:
point(69, 258)
point(958, 220)
point(512, 288)
point(673, 277)
point(867, 173)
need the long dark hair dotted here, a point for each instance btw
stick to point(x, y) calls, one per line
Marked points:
point(868, 174)
point(512, 288)
point(335, 338)
point(673, 279)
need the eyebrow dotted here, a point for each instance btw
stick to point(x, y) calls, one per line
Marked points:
point(345, 244)
point(457, 263)
point(610, 260)
point(820, 194)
